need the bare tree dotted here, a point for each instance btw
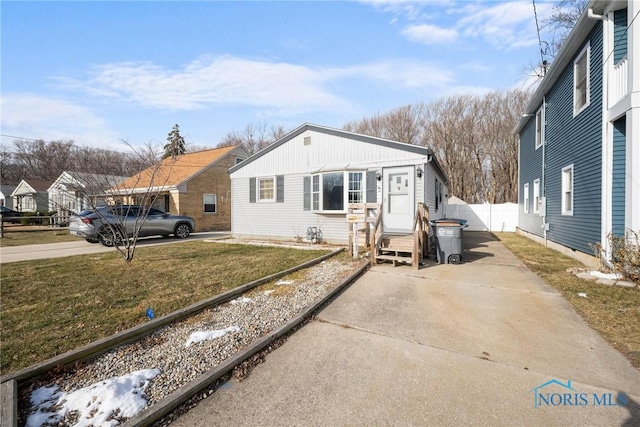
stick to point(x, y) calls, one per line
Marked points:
point(472, 137)
point(47, 160)
point(129, 202)
point(563, 18)
point(254, 137)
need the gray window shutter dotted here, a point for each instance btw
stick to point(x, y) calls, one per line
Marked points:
point(280, 188)
point(307, 193)
point(372, 193)
point(252, 190)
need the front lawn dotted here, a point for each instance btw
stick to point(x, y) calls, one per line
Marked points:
point(12, 236)
point(54, 305)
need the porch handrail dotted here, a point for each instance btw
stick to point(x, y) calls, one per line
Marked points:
point(420, 234)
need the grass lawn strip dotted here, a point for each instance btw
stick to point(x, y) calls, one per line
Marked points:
point(21, 238)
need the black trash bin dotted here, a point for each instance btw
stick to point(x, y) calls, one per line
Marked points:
point(449, 240)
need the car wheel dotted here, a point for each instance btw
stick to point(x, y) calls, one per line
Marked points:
point(182, 231)
point(108, 238)
point(92, 240)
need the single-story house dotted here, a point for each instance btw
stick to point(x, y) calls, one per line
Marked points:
point(579, 166)
point(195, 184)
point(30, 195)
point(5, 195)
point(307, 179)
point(73, 192)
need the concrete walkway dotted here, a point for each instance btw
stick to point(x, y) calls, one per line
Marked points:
point(470, 344)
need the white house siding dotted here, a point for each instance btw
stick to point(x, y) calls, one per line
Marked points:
point(272, 220)
point(429, 179)
point(325, 152)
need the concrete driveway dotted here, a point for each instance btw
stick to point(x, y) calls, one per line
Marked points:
point(82, 247)
point(481, 343)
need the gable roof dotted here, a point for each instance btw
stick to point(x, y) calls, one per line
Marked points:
point(173, 172)
point(6, 190)
point(85, 179)
point(31, 185)
point(569, 48)
point(424, 151)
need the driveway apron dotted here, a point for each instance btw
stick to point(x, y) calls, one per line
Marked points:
point(485, 342)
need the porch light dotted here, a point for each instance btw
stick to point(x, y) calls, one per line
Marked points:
point(419, 172)
point(378, 176)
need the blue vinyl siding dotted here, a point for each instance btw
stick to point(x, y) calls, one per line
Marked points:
point(573, 141)
point(619, 35)
point(619, 173)
point(530, 169)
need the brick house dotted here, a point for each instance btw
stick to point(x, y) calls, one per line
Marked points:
point(195, 184)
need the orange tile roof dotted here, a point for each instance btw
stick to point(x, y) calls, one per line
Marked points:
point(174, 172)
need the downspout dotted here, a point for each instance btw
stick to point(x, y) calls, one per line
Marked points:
point(543, 184)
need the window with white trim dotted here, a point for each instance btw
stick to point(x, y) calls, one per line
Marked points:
point(539, 127)
point(329, 193)
point(581, 86)
point(536, 196)
point(526, 198)
point(266, 189)
point(567, 190)
point(210, 203)
point(356, 187)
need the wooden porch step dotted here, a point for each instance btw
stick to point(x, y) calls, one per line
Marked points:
point(395, 259)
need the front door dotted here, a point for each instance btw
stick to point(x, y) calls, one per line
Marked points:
point(398, 194)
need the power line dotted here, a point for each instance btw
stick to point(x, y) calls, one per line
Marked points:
point(21, 137)
point(543, 63)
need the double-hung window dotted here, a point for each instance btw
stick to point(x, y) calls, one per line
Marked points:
point(266, 189)
point(536, 196)
point(356, 187)
point(581, 86)
point(210, 203)
point(567, 190)
point(539, 128)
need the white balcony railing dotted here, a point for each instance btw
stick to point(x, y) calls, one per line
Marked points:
point(618, 81)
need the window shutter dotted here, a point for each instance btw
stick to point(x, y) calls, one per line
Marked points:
point(280, 188)
point(252, 190)
point(372, 193)
point(306, 184)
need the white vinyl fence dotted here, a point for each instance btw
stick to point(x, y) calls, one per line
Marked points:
point(486, 217)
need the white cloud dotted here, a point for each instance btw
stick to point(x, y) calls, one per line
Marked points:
point(39, 117)
point(430, 34)
point(503, 25)
point(219, 81)
point(233, 81)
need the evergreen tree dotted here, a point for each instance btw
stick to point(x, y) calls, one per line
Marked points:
point(176, 146)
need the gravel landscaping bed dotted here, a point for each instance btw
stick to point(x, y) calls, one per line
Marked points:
point(183, 351)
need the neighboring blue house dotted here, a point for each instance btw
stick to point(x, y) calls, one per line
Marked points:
point(579, 177)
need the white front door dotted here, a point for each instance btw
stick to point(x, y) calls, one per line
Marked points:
point(398, 194)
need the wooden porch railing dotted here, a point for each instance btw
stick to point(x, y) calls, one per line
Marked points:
point(370, 214)
point(420, 235)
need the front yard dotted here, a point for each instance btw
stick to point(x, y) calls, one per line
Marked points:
point(55, 305)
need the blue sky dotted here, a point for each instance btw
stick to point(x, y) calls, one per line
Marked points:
point(103, 72)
